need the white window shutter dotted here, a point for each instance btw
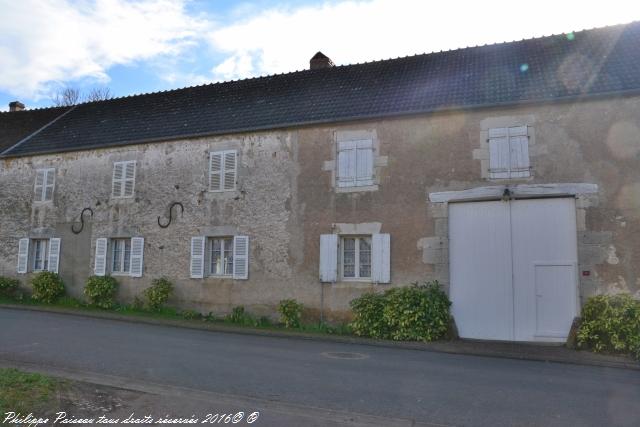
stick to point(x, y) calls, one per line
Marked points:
point(230, 166)
point(381, 258)
point(498, 153)
point(54, 254)
point(49, 183)
point(137, 257)
point(364, 162)
point(241, 257)
point(130, 178)
point(101, 257)
point(328, 258)
point(39, 185)
point(23, 255)
point(118, 173)
point(197, 257)
point(519, 145)
point(215, 171)
point(347, 164)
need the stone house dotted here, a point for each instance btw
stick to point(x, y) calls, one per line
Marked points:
point(509, 173)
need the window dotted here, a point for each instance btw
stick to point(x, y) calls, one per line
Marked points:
point(356, 257)
point(355, 163)
point(221, 256)
point(222, 170)
point(38, 255)
point(124, 178)
point(509, 152)
point(45, 182)
point(120, 256)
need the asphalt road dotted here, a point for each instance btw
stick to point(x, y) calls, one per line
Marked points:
point(395, 383)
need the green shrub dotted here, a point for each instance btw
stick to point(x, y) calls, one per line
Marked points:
point(416, 313)
point(157, 295)
point(9, 287)
point(611, 323)
point(368, 318)
point(290, 313)
point(100, 290)
point(47, 287)
point(239, 316)
point(190, 315)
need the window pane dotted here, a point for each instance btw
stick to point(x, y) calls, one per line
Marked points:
point(349, 257)
point(228, 256)
point(40, 254)
point(127, 256)
point(216, 256)
point(365, 257)
point(37, 263)
point(349, 244)
point(117, 254)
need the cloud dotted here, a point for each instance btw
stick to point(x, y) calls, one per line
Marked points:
point(42, 43)
point(284, 39)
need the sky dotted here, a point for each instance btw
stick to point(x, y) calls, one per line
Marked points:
point(144, 46)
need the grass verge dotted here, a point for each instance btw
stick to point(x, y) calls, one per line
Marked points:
point(26, 392)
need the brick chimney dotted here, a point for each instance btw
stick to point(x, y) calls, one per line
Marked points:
point(320, 60)
point(16, 106)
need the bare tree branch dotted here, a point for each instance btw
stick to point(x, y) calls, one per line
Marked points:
point(66, 97)
point(99, 94)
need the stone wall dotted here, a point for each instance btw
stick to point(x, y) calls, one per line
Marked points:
point(286, 199)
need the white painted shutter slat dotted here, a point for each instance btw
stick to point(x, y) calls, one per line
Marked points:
point(197, 257)
point(137, 257)
point(347, 164)
point(101, 257)
point(381, 258)
point(499, 157)
point(328, 258)
point(241, 257)
point(116, 182)
point(39, 185)
point(364, 162)
point(215, 171)
point(519, 156)
point(230, 170)
point(49, 183)
point(23, 255)
point(54, 254)
point(129, 178)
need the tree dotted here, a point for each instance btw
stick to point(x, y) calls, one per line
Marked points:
point(66, 97)
point(98, 94)
point(71, 96)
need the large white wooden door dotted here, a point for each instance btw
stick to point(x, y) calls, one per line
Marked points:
point(480, 266)
point(513, 269)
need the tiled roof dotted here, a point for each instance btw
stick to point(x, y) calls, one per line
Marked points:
point(602, 61)
point(18, 125)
